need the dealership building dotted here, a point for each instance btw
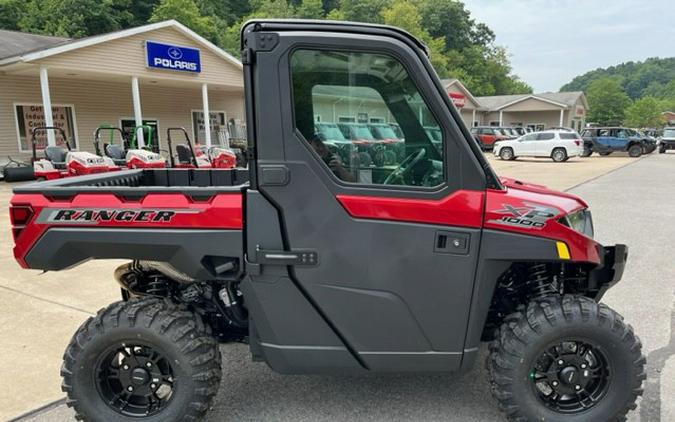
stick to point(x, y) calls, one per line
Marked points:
point(537, 111)
point(160, 75)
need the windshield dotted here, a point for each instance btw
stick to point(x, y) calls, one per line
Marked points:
point(362, 132)
point(498, 132)
point(669, 133)
point(385, 132)
point(331, 132)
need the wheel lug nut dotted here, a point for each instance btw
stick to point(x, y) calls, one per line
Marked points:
point(153, 386)
point(555, 383)
point(560, 362)
point(126, 367)
point(148, 364)
point(583, 366)
point(130, 388)
point(577, 387)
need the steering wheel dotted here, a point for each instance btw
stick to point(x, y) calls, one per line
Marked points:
point(406, 165)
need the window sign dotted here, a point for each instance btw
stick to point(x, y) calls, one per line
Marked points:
point(172, 57)
point(29, 116)
point(199, 127)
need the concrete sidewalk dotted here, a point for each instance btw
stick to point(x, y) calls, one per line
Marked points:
point(42, 312)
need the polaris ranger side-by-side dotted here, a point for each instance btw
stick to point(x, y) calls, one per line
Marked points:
point(327, 266)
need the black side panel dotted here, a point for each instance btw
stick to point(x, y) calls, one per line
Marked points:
point(496, 255)
point(289, 332)
point(189, 251)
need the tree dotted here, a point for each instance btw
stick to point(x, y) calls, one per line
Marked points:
point(187, 13)
point(310, 9)
point(10, 13)
point(405, 15)
point(607, 101)
point(69, 18)
point(645, 112)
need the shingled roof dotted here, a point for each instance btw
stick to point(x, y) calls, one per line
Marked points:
point(13, 43)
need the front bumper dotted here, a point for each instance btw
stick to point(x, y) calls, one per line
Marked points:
point(610, 270)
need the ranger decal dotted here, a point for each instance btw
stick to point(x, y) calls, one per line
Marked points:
point(102, 215)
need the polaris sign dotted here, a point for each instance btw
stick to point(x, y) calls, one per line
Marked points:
point(172, 57)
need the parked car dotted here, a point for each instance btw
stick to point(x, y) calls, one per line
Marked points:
point(486, 136)
point(356, 132)
point(559, 145)
point(667, 140)
point(606, 140)
point(520, 130)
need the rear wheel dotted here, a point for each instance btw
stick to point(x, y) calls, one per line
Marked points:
point(662, 149)
point(587, 152)
point(506, 153)
point(635, 151)
point(566, 358)
point(559, 155)
point(143, 359)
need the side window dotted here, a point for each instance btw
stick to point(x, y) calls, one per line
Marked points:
point(545, 136)
point(529, 137)
point(406, 147)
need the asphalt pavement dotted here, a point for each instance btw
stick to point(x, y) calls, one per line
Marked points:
point(634, 204)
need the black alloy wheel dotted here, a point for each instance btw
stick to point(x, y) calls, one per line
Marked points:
point(134, 379)
point(571, 376)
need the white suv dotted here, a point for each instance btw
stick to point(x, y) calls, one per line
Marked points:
point(558, 145)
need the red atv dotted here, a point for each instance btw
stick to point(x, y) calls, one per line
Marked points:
point(125, 156)
point(323, 271)
point(61, 161)
point(200, 157)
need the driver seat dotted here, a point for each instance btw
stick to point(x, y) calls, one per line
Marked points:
point(183, 152)
point(116, 153)
point(57, 156)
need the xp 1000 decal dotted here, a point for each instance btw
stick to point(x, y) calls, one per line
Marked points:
point(527, 216)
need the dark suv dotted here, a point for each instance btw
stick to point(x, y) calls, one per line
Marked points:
point(667, 140)
point(606, 140)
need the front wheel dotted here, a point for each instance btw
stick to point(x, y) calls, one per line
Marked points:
point(566, 359)
point(559, 155)
point(142, 360)
point(635, 151)
point(507, 154)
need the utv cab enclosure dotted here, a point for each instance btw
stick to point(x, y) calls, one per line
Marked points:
point(330, 267)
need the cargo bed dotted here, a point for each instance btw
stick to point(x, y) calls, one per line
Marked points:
point(140, 182)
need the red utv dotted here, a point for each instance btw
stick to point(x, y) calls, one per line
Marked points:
point(486, 136)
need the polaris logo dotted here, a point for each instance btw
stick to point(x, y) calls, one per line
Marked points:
point(100, 215)
point(175, 64)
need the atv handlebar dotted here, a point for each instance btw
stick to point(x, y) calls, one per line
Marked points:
point(187, 139)
point(97, 137)
point(33, 140)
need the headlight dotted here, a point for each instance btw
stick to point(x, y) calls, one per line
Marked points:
point(580, 221)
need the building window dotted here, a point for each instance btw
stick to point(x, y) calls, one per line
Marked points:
point(377, 120)
point(218, 127)
point(494, 123)
point(30, 116)
point(128, 125)
point(346, 119)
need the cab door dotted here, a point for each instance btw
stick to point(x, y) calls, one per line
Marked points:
point(527, 145)
point(385, 253)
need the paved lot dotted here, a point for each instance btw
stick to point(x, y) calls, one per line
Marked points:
point(629, 204)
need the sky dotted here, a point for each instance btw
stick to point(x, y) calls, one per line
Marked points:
point(552, 41)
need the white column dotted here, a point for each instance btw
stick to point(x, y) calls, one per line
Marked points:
point(501, 118)
point(562, 113)
point(473, 118)
point(138, 115)
point(207, 115)
point(47, 105)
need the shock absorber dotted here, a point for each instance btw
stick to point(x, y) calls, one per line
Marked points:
point(157, 285)
point(539, 281)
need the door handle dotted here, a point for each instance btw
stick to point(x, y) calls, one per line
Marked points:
point(304, 257)
point(451, 242)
